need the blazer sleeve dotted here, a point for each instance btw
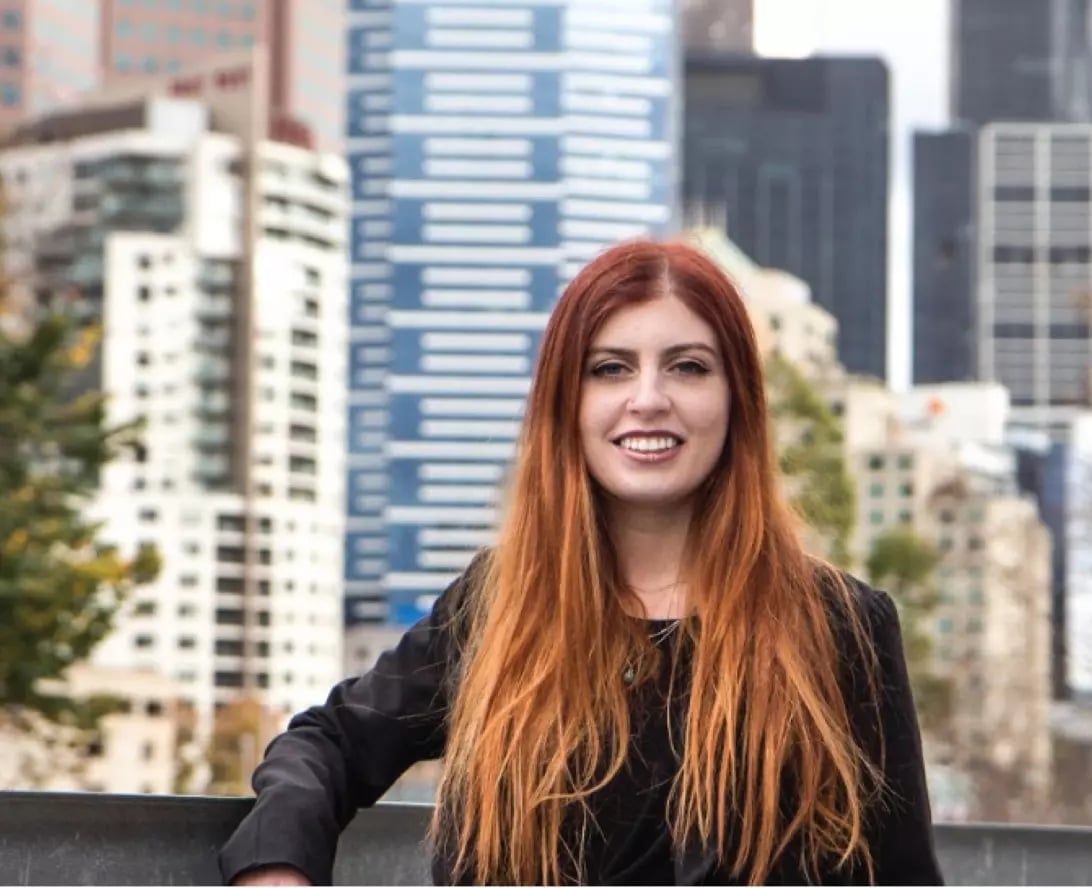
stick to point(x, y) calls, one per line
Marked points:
point(345, 754)
point(903, 849)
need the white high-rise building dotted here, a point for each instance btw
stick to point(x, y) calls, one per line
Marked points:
point(1034, 268)
point(216, 264)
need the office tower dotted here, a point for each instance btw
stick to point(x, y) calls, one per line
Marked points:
point(1034, 257)
point(717, 25)
point(493, 151)
point(790, 157)
point(945, 331)
point(304, 40)
point(215, 264)
point(52, 52)
point(1020, 60)
point(48, 54)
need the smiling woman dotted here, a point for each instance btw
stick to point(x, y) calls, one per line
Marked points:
point(646, 681)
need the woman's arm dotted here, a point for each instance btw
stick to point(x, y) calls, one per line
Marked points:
point(903, 849)
point(344, 755)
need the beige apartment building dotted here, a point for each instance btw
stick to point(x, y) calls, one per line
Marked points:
point(935, 459)
point(136, 749)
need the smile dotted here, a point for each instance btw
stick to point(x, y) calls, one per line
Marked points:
point(649, 444)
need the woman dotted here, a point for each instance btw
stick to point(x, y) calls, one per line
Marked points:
point(646, 680)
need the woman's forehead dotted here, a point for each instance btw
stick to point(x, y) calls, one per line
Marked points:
point(663, 322)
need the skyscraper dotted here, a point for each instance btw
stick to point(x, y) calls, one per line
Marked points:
point(790, 157)
point(945, 331)
point(303, 38)
point(494, 149)
point(48, 55)
point(717, 25)
point(1020, 60)
point(1034, 279)
point(54, 51)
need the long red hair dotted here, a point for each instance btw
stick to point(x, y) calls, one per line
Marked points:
point(540, 718)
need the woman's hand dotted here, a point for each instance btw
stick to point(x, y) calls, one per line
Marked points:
point(272, 875)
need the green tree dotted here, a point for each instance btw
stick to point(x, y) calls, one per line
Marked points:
point(241, 731)
point(812, 456)
point(60, 583)
point(905, 565)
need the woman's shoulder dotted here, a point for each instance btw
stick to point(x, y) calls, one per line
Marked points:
point(850, 599)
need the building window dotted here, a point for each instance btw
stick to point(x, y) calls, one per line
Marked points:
point(198, 36)
point(11, 56)
point(12, 20)
point(906, 462)
point(875, 518)
point(9, 94)
point(906, 489)
point(151, 65)
point(228, 679)
point(875, 490)
point(223, 39)
point(875, 462)
point(124, 27)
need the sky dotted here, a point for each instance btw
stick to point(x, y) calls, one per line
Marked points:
point(912, 37)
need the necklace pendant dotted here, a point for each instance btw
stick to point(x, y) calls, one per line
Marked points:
point(629, 674)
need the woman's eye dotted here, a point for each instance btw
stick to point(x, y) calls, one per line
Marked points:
point(691, 368)
point(609, 368)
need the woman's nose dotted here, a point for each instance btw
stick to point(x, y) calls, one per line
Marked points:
point(648, 395)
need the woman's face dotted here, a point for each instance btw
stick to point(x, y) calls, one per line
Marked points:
point(654, 404)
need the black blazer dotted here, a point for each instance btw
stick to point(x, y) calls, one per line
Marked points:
point(346, 754)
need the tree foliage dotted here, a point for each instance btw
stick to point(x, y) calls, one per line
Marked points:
point(812, 456)
point(905, 565)
point(241, 731)
point(60, 583)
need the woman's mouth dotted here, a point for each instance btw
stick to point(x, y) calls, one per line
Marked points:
point(649, 448)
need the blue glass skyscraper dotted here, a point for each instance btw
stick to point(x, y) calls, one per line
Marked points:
point(495, 147)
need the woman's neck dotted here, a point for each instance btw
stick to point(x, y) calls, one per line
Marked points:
point(650, 546)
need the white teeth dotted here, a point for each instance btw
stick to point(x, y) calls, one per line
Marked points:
point(649, 445)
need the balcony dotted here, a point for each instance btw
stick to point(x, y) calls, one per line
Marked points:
point(70, 839)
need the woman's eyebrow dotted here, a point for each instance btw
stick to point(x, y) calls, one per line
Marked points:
point(630, 354)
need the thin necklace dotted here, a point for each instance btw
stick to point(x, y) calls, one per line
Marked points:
point(660, 634)
point(629, 673)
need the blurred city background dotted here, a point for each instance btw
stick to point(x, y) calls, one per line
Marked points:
point(275, 273)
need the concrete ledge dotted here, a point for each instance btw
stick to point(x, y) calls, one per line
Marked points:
point(85, 839)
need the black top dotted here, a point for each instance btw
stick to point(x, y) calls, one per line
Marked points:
point(632, 845)
point(345, 754)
